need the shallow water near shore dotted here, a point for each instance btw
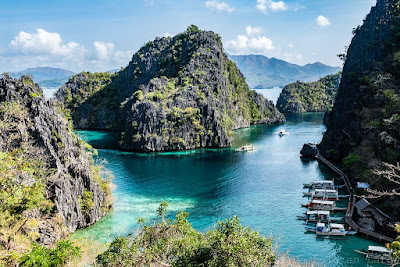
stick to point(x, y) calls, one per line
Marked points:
point(264, 188)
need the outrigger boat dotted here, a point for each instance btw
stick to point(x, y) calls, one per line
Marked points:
point(313, 216)
point(316, 204)
point(331, 229)
point(245, 148)
point(325, 184)
point(379, 254)
point(324, 194)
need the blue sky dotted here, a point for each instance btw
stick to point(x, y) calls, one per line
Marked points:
point(99, 35)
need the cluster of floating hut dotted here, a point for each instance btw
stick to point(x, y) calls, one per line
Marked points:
point(323, 197)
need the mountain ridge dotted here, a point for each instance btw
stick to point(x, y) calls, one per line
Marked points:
point(45, 76)
point(263, 72)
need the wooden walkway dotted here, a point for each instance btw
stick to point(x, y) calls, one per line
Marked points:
point(350, 207)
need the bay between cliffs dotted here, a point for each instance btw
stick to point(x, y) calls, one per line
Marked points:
point(264, 188)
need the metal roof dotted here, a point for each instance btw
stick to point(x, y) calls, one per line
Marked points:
point(361, 204)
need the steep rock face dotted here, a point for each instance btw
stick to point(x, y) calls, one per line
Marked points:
point(177, 93)
point(302, 97)
point(72, 181)
point(364, 126)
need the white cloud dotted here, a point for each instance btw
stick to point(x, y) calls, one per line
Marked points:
point(322, 21)
point(269, 5)
point(291, 45)
point(292, 57)
point(43, 42)
point(252, 30)
point(245, 45)
point(104, 51)
point(219, 6)
point(48, 48)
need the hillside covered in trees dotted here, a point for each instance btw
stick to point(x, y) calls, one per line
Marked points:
point(300, 97)
point(364, 127)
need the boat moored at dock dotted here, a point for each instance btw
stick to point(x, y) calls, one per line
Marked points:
point(316, 204)
point(325, 184)
point(379, 254)
point(313, 216)
point(330, 229)
point(324, 194)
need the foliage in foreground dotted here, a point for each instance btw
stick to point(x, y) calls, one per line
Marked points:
point(51, 257)
point(177, 243)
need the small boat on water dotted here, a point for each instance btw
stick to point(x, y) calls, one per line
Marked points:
point(245, 148)
point(330, 229)
point(379, 254)
point(325, 184)
point(313, 216)
point(323, 194)
point(283, 132)
point(316, 204)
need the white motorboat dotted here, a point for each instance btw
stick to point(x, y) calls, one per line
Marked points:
point(245, 148)
point(313, 216)
point(379, 254)
point(330, 229)
point(324, 184)
point(316, 204)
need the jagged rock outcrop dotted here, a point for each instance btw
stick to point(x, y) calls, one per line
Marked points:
point(363, 130)
point(300, 97)
point(34, 127)
point(177, 93)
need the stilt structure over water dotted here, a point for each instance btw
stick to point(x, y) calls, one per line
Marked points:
point(311, 151)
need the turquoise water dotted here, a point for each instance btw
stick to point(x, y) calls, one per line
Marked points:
point(264, 188)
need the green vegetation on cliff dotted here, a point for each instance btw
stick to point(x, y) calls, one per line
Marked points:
point(300, 97)
point(177, 93)
point(44, 171)
point(364, 127)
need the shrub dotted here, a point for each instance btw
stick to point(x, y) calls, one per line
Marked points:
point(177, 243)
point(351, 160)
point(53, 257)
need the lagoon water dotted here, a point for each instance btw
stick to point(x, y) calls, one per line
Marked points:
point(264, 188)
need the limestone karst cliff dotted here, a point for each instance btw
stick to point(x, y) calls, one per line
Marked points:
point(177, 93)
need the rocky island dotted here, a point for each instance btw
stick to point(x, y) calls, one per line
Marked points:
point(363, 131)
point(177, 93)
point(50, 185)
point(300, 97)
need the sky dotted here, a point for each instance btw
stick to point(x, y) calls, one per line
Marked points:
point(100, 35)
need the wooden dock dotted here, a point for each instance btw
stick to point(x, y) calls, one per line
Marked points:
point(350, 208)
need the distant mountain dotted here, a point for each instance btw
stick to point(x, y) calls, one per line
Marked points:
point(263, 72)
point(46, 76)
